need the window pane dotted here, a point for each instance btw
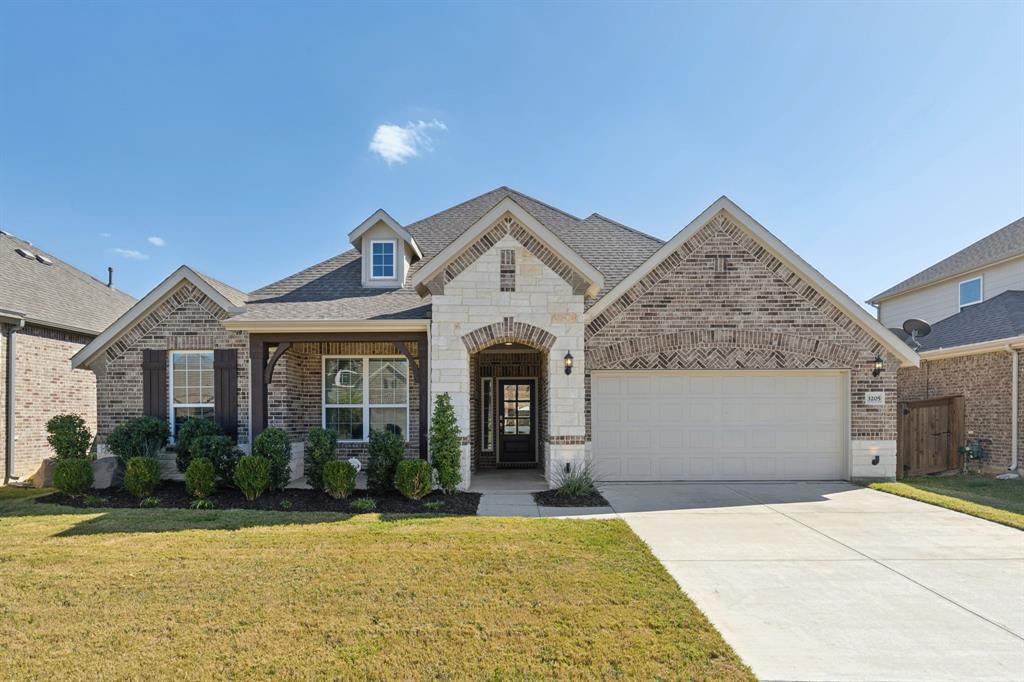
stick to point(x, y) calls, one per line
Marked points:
point(343, 381)
point(192, 374)
point(347, 422)
point(389, 382)
point(487, 420)
point(388, 419)
point(383, 259)
point(524, 391)
point(970, 292)
point(183, 414)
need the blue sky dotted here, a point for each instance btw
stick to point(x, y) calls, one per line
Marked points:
point(872, 138)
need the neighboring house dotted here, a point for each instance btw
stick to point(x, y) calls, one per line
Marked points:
point(974, 301)
point(718, 355)
point(48, 312)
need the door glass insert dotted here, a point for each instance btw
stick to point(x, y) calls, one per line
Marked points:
point(516, 409)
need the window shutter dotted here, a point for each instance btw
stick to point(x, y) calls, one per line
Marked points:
point(154, 383)
point(225, 390)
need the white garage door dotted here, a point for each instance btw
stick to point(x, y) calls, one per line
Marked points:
point(719, 425)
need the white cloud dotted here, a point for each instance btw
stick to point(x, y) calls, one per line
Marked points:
point(130, 254)
point(105, 235)
point(397, 144)
point(156, 241)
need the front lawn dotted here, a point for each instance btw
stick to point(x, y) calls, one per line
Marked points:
point(172, 593)
point(996, 500)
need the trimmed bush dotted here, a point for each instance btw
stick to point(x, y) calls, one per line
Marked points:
point(221, 452)
point(386, 451)
point(364, 504)
point(68, 436)
point(272, 444)
point(139, 437)
point(444, 445)
point(73, 476)
point(200, 477)
point(252, 476)
point(320, 446)
point(339, 479)
point(414, 478)
point(188, 432)
point(141, 476)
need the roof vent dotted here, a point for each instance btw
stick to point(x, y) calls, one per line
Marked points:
point(25, 253)
point(43, 259)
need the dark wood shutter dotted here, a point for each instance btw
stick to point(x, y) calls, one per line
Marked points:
point(225, 390)
point(154, 383)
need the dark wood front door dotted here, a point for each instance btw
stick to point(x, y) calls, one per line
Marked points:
point(517, 421)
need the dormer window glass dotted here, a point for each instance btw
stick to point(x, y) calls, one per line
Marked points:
point(382, 259)
point(970, 292)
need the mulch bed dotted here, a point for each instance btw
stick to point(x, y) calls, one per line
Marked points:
point(172, 494)
point(552, 498)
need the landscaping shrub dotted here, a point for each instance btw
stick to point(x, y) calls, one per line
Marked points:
point(221, 452)
point(272, 444)
point(202, 504)
point(386, 451)
point(139, 437)
point(73, 476)
point(414, 478)
point(150, 502)
point(364, 504)
point(252, 476)
point(68, 436)
point(320, 445)
point(577, 482)
point(188, 432)
point(444, 445)
point(339, 479)
point(200, 477)
point(141, 476)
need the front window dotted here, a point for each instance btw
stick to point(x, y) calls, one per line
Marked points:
point(487, 414)
point(970, 292)
point(191, 384)
point(366, 394)
point(383, 256)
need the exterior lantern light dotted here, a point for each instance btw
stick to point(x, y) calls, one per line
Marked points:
point(878, 366)
point(568, 362)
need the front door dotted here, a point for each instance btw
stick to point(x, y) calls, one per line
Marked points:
point(517, 425)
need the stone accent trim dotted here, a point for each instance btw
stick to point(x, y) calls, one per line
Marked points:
point(508, 330)
point(567, 440)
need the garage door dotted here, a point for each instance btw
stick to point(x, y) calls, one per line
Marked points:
point(719, 425)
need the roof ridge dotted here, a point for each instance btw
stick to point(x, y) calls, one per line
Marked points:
point(458, 205)
point(625, 227)
point(542, 203)
point(73, 270)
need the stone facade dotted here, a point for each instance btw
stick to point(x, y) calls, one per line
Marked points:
point(985, 382)
point(723, 301)
point(45, 386)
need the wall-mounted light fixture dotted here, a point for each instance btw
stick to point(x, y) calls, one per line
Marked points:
point(568, 362)
point(879, 366)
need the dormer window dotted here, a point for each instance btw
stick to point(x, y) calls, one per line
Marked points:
point(970, 292)
point(382, 255)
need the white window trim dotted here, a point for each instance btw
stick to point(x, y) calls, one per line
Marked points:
point(394, 258)
point(170, 387)
point(981, 296)
point(483, 416)
point(366, 393)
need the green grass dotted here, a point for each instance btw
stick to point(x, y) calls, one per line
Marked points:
point(981, 496)
point(175, 593)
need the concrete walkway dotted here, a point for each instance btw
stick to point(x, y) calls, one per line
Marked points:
point(829, 581)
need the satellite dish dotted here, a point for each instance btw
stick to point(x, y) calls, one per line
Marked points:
point(916, 329)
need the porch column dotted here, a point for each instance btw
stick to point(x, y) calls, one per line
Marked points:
point(257, 386)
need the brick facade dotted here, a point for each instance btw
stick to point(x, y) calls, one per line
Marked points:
point(45, 386)
point(985, 382)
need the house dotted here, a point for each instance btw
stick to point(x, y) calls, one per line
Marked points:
point(974, 302)
point(49, 310)
point(717, 355)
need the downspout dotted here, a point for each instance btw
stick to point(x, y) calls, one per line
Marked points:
point(12, 367)
point(1015, 412)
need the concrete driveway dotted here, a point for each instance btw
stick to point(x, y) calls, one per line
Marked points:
point(828, 581)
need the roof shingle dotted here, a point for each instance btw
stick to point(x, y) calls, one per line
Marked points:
point(1000, 317)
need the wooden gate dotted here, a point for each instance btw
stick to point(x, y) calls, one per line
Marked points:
point(930, 434)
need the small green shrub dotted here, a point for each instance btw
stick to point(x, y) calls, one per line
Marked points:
point(141, 476)
point(320, 446)
point(433, 506)
point(73, 476)
point(220, 451)
point(188, 432)
point(414, 478)
point(386, 451)
point(285, 504)
point(364, 504)
point(272, 444)
point(202, 504)
point(68, 436)
point(252, 476)
point(94, 501)
point(339, 479)
point(444, 445)
point(200, 477)
point(139, 437)
point(150, 502)
point(577, 482)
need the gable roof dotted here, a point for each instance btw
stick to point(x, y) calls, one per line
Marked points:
point(781, 251)
point(382, 216)
point(1003, 244)
point(1000, 317)
point(227, 297)
point(55, 294)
